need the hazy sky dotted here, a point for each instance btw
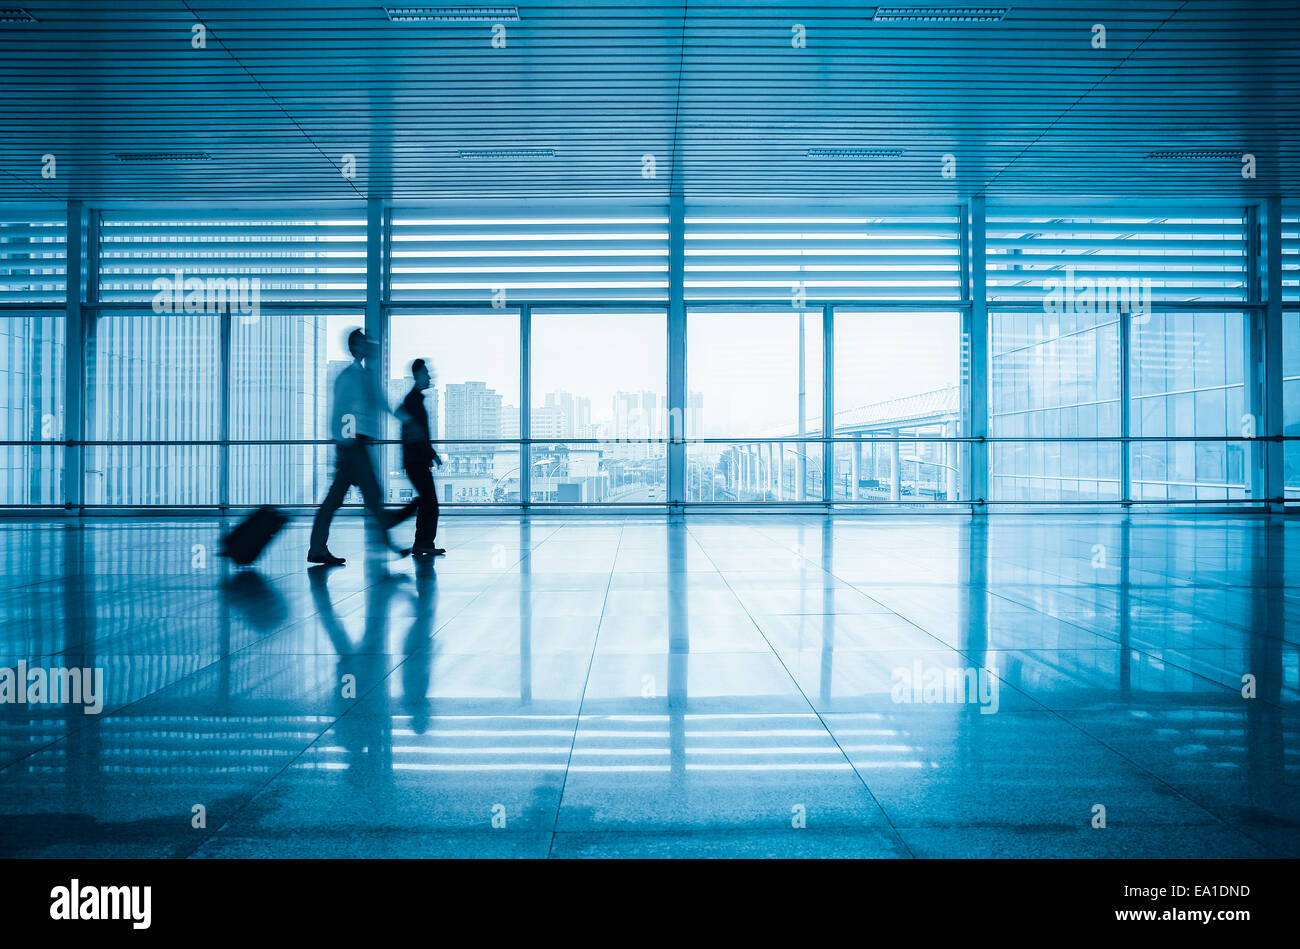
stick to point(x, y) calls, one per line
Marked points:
point(743, 363)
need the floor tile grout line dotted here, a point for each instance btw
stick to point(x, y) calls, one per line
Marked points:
point(1072, 724)
point(157, 692)
point(957, 650)
point(582, 698)
point(1137, 649)
point(1026, 604)
point(492, 583)
point(382, 683)
point(215, 596)
point(795, 682)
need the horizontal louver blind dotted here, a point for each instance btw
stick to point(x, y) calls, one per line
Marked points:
point(1185, 259)
point(1291, 255)
point(510, 259)
point(824, 257)
point(33, 256)
point(306, 259)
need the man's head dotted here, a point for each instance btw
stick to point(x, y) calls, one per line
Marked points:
point(420, 372)
point(360, 345)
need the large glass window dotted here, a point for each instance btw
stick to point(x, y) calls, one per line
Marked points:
point(1054, 377)
point(1187, 381)
point(32, 266)
point(31, 408)
point(163, 387)
point(755, 373)
point(897, 376)
point(473, 357)
point(1291, 398)
point(282, 368)
point(1291, 348)
point(599, 375)
point(153, 378)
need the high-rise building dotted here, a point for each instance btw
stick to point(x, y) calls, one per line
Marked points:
point(694, 412)
point(549, 421)
point(472, 410)
point(510, 421)
point(562, 415)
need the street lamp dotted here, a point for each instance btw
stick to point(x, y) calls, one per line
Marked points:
point(918, 460)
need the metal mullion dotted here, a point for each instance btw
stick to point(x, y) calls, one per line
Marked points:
point(74, 354)
point(223, 423)
point(1270, 366)
point(525, 405)
point(376, 319)
point(677, 356)
point(977, 336)
point(1125, 420)
point(828, 401)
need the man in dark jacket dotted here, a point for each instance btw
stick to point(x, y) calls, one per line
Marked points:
point(418, 455)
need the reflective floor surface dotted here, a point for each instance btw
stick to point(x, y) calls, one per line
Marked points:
point(766, 685)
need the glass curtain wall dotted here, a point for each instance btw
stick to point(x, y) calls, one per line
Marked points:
point(1064, 292)
point(823, 352)
point(33, 263)
point(1291, 347)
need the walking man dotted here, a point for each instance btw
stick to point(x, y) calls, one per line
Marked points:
point(358, 412)
point(418, 454)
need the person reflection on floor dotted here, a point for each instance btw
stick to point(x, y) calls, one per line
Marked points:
point(363, 726)
point(419, 648)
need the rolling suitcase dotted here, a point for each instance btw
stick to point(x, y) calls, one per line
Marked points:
point(245, 543)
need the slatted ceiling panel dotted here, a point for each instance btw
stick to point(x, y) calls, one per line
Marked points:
point(715, 91)
point(318, 259)
point(1291, 255)
point(1186, 259)
point(538, 257)
point(898, 256)
point(33, 255)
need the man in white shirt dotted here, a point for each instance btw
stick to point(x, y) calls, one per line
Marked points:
point(358, 412)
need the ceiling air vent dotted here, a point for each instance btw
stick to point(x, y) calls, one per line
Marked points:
point(452, 14)
point(15, 15)
point(162, 156)
point(940, 14)
point(855, 153)
point(505, 154)
point(1196, 154)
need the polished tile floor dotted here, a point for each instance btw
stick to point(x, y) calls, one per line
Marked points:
point(1018, 686)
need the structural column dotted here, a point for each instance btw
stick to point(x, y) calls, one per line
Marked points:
point(525, 405)
point(376, 325)
point(676, 350)
point(1274, 461)
point(74, 372)
point(828, 402)
point(977, 334)
point(1125, 407)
